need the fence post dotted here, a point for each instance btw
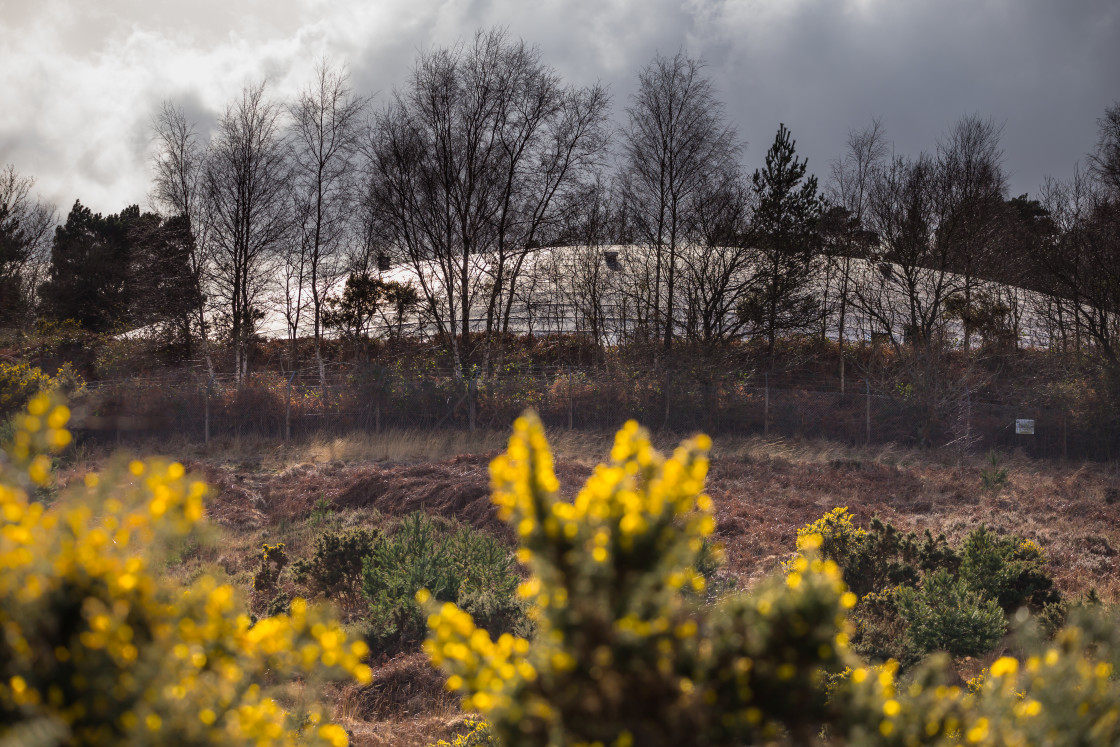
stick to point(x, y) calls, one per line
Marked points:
point(209, 387)
point(668, 383)
point(472, 390)
point(571, 405)
point(867, 385)
point(766, 405)
point(967, 419)
point(1065, 439)
point(288, 409)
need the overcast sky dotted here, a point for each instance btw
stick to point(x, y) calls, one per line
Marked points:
point(82, 79)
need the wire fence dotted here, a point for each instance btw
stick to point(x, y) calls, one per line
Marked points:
point(374, 398)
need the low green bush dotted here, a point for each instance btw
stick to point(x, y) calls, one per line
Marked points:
point(1008, 569)
point(996, 477)
point(945, 614)
point(334, 569)
point(885, 566)
point(455, 564)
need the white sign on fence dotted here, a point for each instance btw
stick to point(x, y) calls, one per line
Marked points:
point(1024, 427)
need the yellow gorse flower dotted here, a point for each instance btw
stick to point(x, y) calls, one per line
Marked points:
point(615, 630)
point(99, 649)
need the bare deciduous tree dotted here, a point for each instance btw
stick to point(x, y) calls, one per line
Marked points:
point(675, 138)
point(179, 164)
point(1104, 161)
point(718, 261)
point(325, 130)
point(25, 229)
point(904, 294)
point(587, 273)
point(247, 186)
point(467, 169)
point(290, 286)
point(1084, 263)
point(971, 191)
point(853, 177)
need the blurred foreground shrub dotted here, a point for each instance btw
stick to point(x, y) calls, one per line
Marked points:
point(98, 648)
point(621, 655)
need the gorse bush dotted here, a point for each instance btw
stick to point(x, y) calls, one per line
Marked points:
point(272, 562)
point(266, 592)
point(478, 734)
point(622, 657)
point(460, 565)
point(880, 556)
point(334, 569)
point(99, 648)
point(1060, 692)
point(918, 594)
point(21, 381)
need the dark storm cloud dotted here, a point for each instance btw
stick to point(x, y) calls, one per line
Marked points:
point(84, 79)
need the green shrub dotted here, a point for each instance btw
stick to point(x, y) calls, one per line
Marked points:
point(321, 512)
point(334, 569)
point(994, 478)
point(1008, 569)
point(880, 556)
point(880, 631)
point(944, 614)
point(459, 565)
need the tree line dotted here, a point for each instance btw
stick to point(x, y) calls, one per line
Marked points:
point(306, 209)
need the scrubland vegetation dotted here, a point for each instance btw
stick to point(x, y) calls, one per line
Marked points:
point(645, 608)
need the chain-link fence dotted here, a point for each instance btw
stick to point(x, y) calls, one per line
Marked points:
point(374, 398)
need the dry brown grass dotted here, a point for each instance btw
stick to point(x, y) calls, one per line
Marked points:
point(763, 490)
point(394, 446)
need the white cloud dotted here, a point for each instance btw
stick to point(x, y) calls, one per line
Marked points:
point(83, 79)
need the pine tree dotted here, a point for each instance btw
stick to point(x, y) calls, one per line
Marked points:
point(89, 270)
point(786, 233)
point(122, 271)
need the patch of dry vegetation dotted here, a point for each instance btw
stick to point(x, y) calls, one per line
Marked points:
point(763, 490)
